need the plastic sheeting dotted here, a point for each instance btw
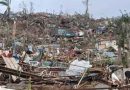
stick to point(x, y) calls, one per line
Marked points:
point(3, 88)
point(114, 78)
point(77, 67)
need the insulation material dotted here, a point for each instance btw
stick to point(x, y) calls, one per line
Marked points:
point(77, 67)
point(114, 78)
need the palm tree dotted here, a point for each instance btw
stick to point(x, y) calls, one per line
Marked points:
point(7, 4)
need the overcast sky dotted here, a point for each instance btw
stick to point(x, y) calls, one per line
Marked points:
point(97, 8)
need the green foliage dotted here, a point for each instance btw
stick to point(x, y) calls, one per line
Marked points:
point(4, 3)
point(109, 61)
point(121, 29)
point(124, 60)
point(7, 4)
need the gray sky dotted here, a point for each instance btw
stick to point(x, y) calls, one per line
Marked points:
point(97, 8)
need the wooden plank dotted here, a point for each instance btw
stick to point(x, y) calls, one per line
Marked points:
point(19, 73)
point(11, 63)
point(17, 66)
point(7, 64)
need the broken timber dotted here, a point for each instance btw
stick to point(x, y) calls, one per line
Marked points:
point(18, 73)
point(11, 63)
point(27, 75)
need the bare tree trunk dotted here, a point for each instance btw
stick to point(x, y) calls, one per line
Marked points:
point(119, 55)
point(128, 55)
point(128, 45)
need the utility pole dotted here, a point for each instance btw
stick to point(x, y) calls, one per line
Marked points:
point(14, 36)
point(61, 7)
point(86, 3)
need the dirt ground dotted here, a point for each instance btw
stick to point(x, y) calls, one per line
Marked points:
point(38, 87)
